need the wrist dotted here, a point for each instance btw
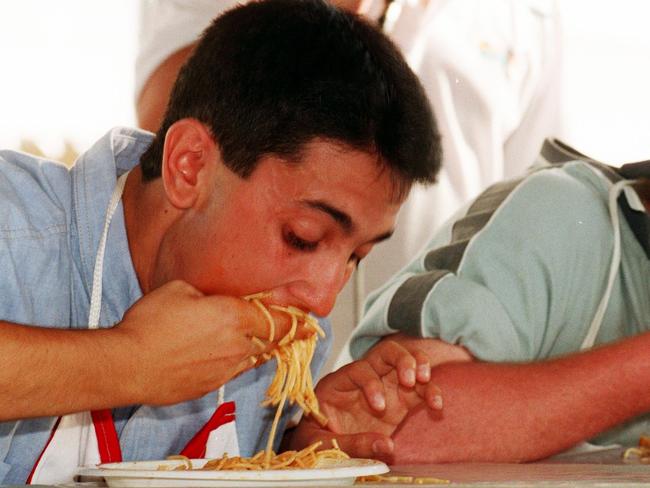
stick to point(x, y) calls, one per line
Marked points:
point(115, 381)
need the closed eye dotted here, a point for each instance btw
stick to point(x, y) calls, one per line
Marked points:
point(299, 243)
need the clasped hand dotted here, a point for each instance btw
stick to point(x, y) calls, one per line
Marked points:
point(366, 401)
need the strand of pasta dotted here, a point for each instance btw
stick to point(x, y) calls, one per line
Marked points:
point(293, 356)
point(293, 383)
point(258, 303)
point(278, 413)
point(639, 454)
point(293, 379)
point(306, 458)
point(402, 480)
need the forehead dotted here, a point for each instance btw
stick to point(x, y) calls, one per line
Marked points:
point(326, 174)
point(324, 163)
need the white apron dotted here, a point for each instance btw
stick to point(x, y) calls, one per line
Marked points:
point(90, 438)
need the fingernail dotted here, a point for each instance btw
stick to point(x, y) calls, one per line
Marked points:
point(424, 371)
point(409, 376)
point(382, 446)
point(437, 402)
point(379, 401)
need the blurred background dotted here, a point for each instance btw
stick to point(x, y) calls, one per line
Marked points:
point(68, 76)
point(67, 73)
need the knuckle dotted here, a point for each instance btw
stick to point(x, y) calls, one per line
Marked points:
point(421, 357)
point(406, 361)
point(373, 385)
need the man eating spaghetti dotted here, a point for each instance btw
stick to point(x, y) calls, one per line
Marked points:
point(291, 138)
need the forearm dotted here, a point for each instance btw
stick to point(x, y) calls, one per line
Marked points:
point(156, 355)
point(498, 412)
point(52, 371)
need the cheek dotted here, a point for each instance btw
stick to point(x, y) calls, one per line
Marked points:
point(242, 261)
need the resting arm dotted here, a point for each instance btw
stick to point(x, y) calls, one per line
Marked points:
point(522, 412)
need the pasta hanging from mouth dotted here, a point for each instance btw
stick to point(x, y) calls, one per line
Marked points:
point(292, 382)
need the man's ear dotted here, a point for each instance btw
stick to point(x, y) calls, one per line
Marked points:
point(188, 150)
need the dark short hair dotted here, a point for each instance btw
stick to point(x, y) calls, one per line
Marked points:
point(270, 76)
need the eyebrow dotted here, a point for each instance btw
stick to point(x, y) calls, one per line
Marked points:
point(342, 218)
point(339, 216)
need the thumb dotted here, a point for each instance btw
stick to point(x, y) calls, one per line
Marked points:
point(366, 445)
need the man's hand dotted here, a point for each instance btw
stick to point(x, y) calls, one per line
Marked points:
point(176, 344)
point(367, 400)
point(436, 350)
point(173, 345)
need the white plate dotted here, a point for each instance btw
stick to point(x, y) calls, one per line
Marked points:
point(147, 474)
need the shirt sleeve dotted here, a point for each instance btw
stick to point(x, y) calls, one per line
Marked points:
point(520, 278)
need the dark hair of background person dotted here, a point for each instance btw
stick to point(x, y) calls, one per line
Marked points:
point(269, 76)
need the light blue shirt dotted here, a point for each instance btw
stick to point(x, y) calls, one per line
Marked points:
point(51, 221)
point(518, 275)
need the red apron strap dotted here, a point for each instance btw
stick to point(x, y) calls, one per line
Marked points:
point(107, 441)
point(108, 445)
point(195, 448)
point(31, 474)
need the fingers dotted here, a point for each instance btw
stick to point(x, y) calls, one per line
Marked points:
point(388, 355)
point(256, 320)
point(432, 395)
point(364, 377)
point(371, 445)
point(272, 323)
point(366, 445)
point(437, 350)
point(423, 368)
point(411, 367)
point(358, 375)
point(304, 327)
point(260, 329)
point(251, 362)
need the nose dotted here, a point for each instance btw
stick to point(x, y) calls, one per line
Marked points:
point(318, 289)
